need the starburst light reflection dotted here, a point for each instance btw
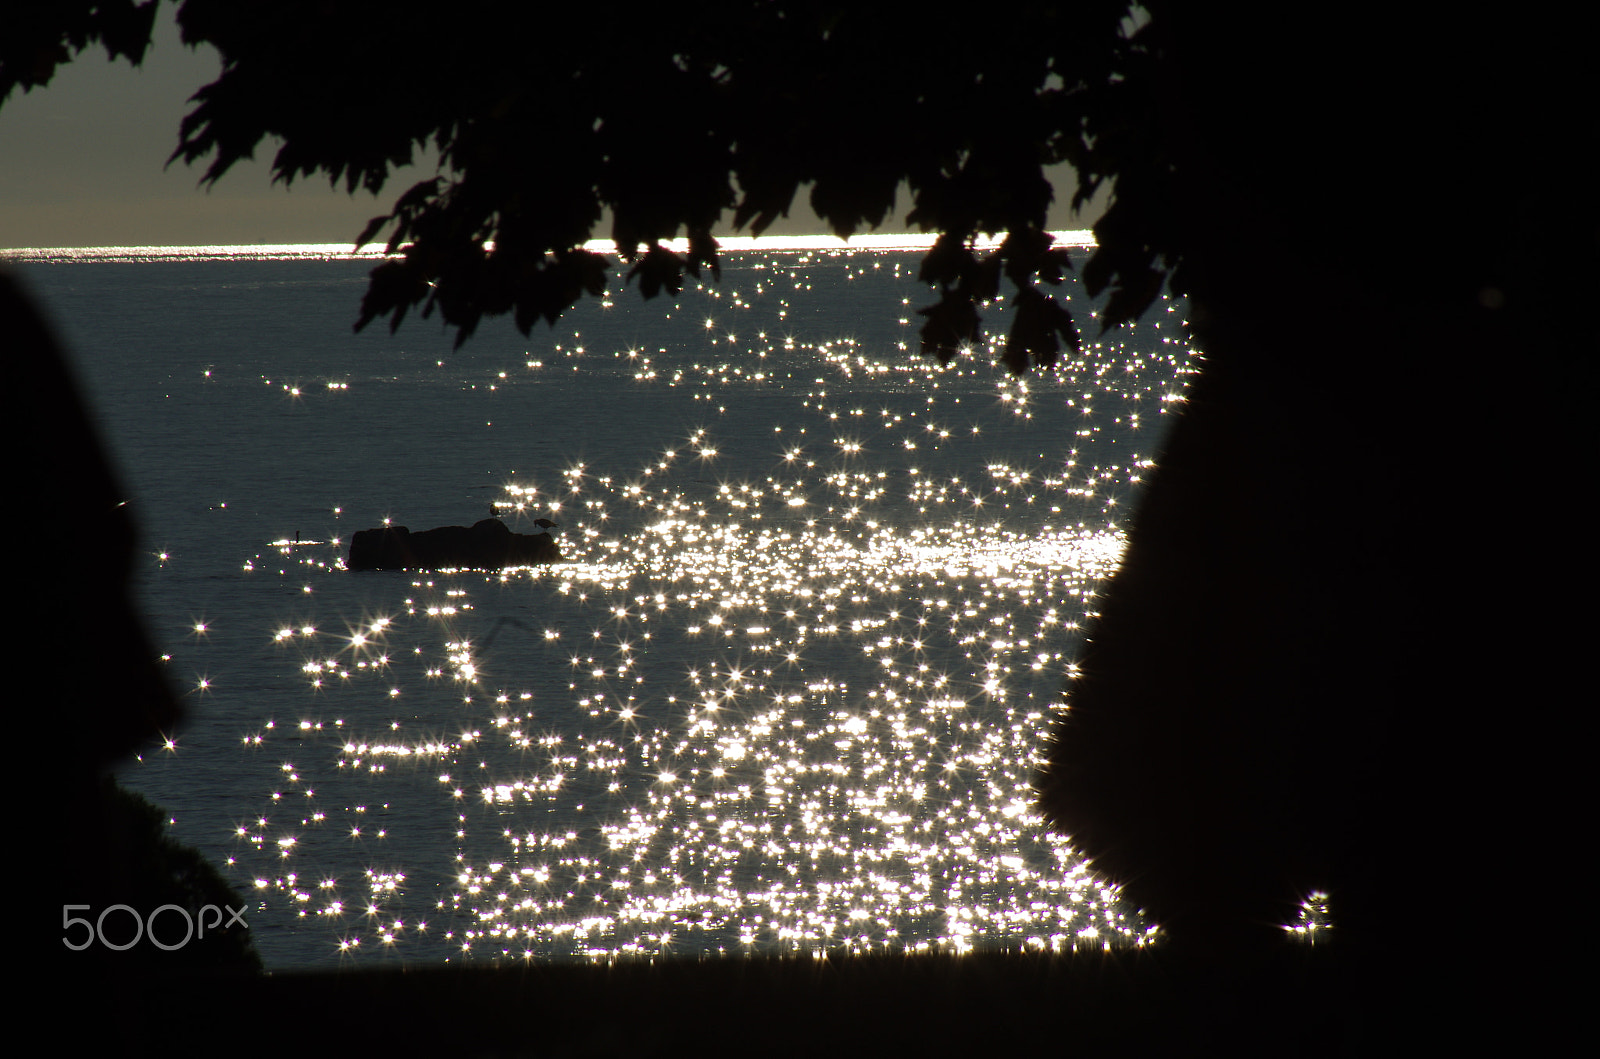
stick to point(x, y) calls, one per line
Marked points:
point(786, 692)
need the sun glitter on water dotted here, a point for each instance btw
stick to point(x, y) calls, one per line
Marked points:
point(786, 691)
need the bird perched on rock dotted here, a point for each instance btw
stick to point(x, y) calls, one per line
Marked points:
point(546, 524)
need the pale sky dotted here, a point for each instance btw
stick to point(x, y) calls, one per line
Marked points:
point(82, 164)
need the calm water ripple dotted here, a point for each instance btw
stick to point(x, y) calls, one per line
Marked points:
point(785, 693)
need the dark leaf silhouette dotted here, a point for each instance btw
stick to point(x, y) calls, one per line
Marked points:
point(659, 268)
point(370, 232)
point(1028, 252)
point(40, 37)
point(392, 289)
point(982, 284)
point(727, 106)
point(1040, 319)
point(702, 251)
point(949, 262)
point(761, 206)
point(952, 326)
point(1131, 297)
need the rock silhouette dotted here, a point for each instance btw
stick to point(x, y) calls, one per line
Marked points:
point(487, 545)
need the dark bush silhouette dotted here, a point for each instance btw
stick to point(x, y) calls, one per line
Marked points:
point(110, 845)
point(1295, 681)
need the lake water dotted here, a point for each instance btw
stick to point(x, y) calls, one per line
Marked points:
point(787, 690)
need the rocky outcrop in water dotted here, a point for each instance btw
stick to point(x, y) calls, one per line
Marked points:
point(486, 545)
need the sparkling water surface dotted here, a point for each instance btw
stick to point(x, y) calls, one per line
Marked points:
point(786, 692)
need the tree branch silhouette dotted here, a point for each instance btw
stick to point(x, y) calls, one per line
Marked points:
point(727, 105)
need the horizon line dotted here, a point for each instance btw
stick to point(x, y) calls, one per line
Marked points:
point(734, 244)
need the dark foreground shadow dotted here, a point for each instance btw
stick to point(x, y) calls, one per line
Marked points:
point(100, 695)
point(981, 1004)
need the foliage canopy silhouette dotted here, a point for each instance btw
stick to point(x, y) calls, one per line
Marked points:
point(680, 114)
